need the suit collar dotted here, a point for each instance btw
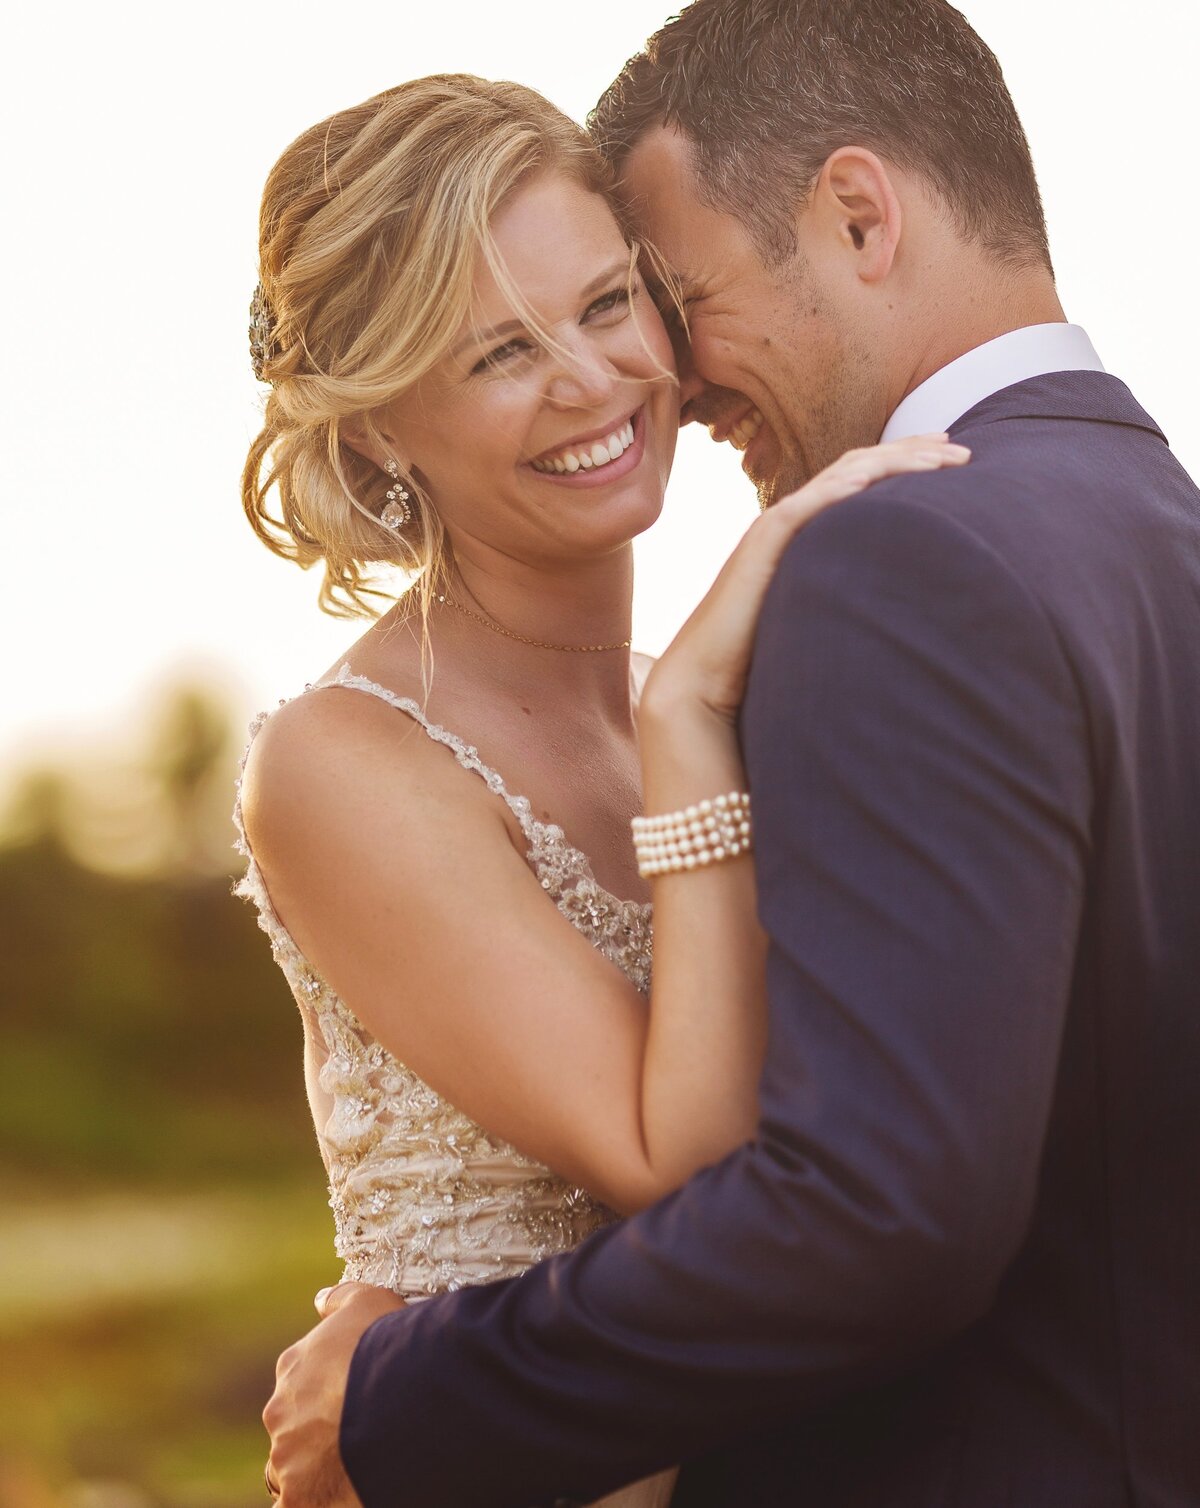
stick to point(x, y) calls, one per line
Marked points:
point(1096, 397)
point(1017, 355)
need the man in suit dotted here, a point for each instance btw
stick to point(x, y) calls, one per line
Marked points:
point(957, 1264)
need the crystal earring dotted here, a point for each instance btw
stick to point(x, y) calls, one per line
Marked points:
point(396, 511)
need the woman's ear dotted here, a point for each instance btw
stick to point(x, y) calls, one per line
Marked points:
point(857, 204)
point(366, 440)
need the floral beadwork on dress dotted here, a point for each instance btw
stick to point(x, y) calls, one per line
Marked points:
point(424, 1200)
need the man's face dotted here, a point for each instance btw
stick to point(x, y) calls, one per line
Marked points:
point(776, 341)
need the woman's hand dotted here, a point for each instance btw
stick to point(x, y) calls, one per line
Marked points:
point(704, 668)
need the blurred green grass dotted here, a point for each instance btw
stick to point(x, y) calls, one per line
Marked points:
point(151, 1367)
point(164, 1221)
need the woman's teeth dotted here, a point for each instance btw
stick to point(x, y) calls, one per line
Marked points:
point(590, 457)
point(745, 429)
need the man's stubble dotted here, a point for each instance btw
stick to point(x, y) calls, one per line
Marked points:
point(828, 386)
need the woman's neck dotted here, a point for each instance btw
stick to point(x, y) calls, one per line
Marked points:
point(508, 624)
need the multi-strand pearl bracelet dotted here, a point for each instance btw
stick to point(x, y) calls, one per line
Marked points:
point(692, 839)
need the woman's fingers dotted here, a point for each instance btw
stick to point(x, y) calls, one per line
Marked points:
point(711, 652)
point(849, 475)
point(858, 469)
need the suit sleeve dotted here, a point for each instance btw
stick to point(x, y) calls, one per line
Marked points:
point(919, 765)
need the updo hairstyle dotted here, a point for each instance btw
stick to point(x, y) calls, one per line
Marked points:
point(371, 230)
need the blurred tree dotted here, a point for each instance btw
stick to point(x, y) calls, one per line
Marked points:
point(190, 761)
point(137, 992)
point(162, 810)
point(39, 811)
point(156, 1151)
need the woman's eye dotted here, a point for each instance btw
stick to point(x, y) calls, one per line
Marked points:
point(616, 298)
point(500, 355)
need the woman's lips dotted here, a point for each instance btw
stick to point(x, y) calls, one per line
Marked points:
point(601, 476)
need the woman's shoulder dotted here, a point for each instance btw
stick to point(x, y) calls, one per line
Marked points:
point(336, 752)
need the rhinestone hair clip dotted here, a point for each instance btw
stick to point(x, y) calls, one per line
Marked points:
point(262, 332)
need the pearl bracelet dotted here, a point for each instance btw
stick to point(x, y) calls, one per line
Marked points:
point(692, 839)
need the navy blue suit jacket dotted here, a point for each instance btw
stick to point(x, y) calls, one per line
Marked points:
point(957, 1267)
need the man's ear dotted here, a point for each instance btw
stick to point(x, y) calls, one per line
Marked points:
point(855, 202)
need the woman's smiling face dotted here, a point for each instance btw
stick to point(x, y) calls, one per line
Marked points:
point(548, 432)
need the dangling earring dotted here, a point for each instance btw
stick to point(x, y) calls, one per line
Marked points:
point(396, 511)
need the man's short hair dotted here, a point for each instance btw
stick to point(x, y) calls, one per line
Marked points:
point(766, 90)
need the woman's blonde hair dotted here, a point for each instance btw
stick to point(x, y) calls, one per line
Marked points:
point(371, 229)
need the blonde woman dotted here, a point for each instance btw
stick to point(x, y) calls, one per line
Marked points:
point(470, 380)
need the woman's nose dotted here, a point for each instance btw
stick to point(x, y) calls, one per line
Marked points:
point(585, 376)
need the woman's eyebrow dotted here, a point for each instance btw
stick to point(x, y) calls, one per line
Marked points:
point(510, 326)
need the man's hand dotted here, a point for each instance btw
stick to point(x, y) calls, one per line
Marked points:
point(305, 1411)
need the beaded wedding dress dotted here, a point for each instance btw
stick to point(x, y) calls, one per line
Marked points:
point(424, 1200)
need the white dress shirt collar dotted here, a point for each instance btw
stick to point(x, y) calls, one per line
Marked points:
point(968, 380)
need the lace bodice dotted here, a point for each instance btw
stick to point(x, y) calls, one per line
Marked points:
point(423, 1198)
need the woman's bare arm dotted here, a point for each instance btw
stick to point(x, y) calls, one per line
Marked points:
point(406, 887)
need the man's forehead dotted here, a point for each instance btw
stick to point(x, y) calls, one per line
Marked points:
point(657, 184)
point(702, 245)
point(662, 149)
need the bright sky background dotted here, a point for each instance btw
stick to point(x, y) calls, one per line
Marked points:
point(137, 140)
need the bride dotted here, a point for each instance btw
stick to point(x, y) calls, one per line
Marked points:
point(470, 380)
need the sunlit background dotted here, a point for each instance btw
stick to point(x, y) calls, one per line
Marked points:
point(162, 1219)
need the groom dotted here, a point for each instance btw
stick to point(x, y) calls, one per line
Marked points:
point(958, 1264)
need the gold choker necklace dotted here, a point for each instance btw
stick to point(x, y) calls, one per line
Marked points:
point(498, 628)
